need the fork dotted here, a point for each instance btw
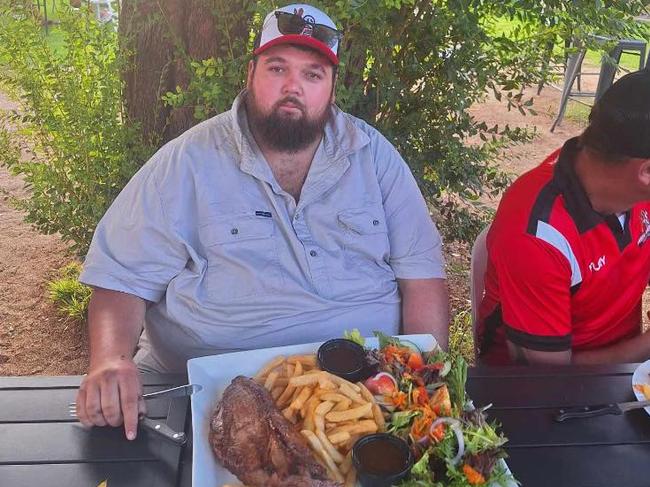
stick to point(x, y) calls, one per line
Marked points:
point(151, 424)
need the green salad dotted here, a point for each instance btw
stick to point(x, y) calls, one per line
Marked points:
point(422, 394)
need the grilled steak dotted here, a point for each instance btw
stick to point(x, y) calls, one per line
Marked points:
point(252, 439)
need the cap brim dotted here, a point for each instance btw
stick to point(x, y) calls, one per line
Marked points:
point(301, 40)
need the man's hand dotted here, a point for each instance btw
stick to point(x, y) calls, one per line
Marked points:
point(111, 394)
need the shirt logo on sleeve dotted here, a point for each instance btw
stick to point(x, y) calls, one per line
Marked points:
point(595, 267)
point(646, 227)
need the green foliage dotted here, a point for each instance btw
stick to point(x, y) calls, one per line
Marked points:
point(73, 117)
point(68, 295)
point(413, 69)
point(461, 336)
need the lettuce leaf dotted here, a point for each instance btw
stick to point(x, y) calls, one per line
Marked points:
point(401, 420)
point(385, 340)
point(354, 336)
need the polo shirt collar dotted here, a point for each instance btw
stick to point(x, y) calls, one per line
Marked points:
point(575, 198)
point(576, 201)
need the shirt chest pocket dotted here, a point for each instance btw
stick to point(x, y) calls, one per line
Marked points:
point(365, 237)
point(242, 257)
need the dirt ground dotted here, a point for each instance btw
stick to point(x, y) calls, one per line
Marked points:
point(34, 339)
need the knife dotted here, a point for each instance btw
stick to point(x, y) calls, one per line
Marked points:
point(180, 391)
point(162, 429)
point(591, 411)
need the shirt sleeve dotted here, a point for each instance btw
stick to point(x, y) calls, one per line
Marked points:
point(415, 244)
point(134, 249)
point(534, 281)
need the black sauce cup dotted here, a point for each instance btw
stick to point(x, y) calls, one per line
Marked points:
point(344, 358)
point(381, 460)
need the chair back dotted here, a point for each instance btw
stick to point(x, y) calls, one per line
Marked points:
point(478, 267)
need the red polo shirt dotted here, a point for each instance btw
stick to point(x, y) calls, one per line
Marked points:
point(560, 275)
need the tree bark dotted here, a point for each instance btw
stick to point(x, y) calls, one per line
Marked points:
point(158, 37)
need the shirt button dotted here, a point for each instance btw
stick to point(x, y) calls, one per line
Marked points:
point(313, 253)
point(375, 222)
point(234, 231)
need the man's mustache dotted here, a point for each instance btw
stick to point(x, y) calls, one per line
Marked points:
point(292, 100)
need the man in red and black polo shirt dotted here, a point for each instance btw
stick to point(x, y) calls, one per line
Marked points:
point(569, 249)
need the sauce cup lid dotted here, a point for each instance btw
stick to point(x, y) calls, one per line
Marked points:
point(344, 358)
point(373, 477)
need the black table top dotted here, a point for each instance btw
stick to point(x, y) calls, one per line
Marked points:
point(42, 446)
point(604, 451)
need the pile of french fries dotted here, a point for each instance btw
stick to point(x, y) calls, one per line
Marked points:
point(330, 412)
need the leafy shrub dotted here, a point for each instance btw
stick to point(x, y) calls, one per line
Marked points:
point(85, 150)
point(68, 295)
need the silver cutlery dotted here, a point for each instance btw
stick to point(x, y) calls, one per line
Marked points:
point(155, 425)
point(599, 410)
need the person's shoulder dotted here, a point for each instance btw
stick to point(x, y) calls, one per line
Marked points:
point(374, 135)
point(208, 133)
point(529, 186)
point(528, 199)
point(198, 144)
point(359, 137)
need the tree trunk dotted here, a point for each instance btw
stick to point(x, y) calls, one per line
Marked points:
point(159, 37)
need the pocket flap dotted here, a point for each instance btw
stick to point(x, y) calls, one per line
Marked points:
point(237, 229)
point(363, 221)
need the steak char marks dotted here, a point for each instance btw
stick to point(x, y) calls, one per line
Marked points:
point(252, 439)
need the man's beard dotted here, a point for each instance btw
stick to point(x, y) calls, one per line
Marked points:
point(282, 132)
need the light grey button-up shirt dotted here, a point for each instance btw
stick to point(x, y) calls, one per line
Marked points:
point(229, 261)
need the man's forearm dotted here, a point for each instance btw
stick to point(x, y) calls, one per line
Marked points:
point(115, 321)
point(425, 308)
point(635, 349)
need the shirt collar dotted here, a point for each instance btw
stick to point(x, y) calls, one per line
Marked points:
point(341, 138)
point(575, 197)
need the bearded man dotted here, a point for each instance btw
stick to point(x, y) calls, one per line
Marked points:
point(281, 221)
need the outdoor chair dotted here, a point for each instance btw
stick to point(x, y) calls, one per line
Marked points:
point(478, 267)
point(606, 75)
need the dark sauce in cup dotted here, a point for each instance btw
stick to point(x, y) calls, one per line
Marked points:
point(381, 460)
point(344, 358)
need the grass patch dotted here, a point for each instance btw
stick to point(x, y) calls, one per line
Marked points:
point(461, 336)
point(629, 62)
point(578, 113)
point(53, 34)
point(69, 296)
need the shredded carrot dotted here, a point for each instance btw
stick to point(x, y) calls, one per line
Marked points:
point(438, 432)
point(399, 399)
point(473, 477)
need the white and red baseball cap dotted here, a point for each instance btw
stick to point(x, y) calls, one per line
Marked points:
point(300, 24)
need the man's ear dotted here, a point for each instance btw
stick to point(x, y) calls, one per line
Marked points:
point(334, 81)
point(644, 172)
point(249, 76)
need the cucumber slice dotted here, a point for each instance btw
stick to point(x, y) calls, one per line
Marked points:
point(411, 345)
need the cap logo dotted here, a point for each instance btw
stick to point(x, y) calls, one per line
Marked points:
point(307, 30)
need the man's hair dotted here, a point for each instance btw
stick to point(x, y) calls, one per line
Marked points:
point(619, 123)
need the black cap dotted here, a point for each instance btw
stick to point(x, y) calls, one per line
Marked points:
point(619, 123)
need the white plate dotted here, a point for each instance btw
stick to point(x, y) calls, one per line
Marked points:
point(641, 376)
point(215, 373)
